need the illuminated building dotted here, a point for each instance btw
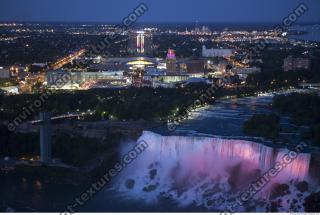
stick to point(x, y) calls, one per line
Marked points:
point(10, 90)
point(216, 52)
point(171, 62)
point(291, 63)
point(14, 71)
point(141, 63)
point(83, 80)
point(166, 78)
point(182, 66)
point(195, 67)
point(244, 72)
point(4, 73)
point(137, 78)
point(140, 43)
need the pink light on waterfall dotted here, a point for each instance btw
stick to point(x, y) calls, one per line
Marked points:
point(297, 168)
point(187, 168)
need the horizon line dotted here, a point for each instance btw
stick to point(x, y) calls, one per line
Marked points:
point(156, 22)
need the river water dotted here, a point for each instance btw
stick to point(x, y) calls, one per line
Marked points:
point(311, 32)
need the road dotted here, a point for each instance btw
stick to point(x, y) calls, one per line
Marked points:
point(65, 116)
point(68, 59)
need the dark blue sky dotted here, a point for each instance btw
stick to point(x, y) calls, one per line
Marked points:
point(159, 10)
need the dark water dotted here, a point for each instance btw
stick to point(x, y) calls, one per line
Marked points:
point(311, 33)
point(225, 119)
point(28, 194)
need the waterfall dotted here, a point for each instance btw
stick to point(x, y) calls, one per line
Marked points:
point(197, 169)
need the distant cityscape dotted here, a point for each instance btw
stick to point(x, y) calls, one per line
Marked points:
point(146, 57)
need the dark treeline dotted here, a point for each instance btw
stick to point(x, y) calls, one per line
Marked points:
point(74, 150)
point(265, 125)
point(119, 104)
point(272, 74)
point(304, 109)
point(123, 104)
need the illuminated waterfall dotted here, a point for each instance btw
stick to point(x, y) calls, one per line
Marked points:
point(195, 169)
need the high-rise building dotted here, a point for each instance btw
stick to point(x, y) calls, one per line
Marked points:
point(171, 62)
point(195, 67)
point(140, 43)
point(291, 63)
point(45, 137)
point(137, 77)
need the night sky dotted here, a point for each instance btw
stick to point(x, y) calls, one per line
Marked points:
point(159, 10)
